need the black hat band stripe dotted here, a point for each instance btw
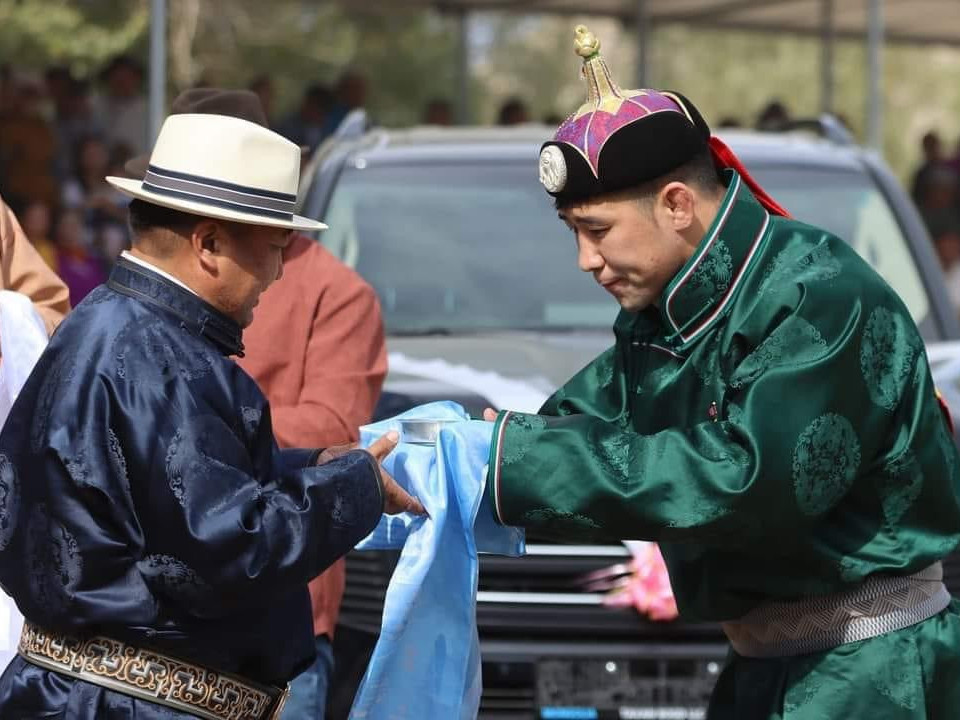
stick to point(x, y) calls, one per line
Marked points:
point(222, 184)
point(205, 199)
point(204, 188)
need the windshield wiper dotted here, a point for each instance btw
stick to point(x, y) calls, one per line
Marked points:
point(422, 332)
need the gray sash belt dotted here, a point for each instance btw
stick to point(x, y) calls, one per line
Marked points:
point(878, 606)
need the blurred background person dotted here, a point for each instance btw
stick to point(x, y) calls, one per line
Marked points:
point(103, 209)
point(262, 87)
point(27, 144)
point(438, 112)
point(73, 120)
point(513, 112)
point(938, 199)
point(350, 93)
point(773, 116)
point(945, 233)
point(307, 126)
point(78, 266)
point(933, 158)
point(23, 270)
point(121, 107)
point(35, 219)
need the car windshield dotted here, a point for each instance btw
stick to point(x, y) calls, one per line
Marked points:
point(458, 247)
point(849, 205)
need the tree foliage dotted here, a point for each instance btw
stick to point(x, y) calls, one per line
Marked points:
point(81, 35)
point(409, 57)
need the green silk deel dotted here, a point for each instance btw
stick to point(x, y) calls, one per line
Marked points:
point(772, 423)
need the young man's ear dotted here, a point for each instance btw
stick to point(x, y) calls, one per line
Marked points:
point(677, 201)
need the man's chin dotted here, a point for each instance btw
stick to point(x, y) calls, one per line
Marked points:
point(632, 305)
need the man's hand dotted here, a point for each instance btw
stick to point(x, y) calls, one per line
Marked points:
point(396, 499)
point(490, 415)
point(335, 451)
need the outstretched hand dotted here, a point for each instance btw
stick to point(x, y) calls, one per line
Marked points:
point(490, 415)
point(396, 499)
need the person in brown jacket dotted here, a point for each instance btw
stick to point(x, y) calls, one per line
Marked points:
point(24, 271)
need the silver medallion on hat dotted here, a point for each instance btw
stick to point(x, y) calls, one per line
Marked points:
point(553, 169)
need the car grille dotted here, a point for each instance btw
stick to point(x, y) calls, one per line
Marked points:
point(368, 573)
point(542, 591)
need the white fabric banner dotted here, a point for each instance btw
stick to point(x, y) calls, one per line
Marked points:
point(22, 340)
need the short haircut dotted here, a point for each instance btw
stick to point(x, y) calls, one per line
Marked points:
point(699, 172)
point(146, 218)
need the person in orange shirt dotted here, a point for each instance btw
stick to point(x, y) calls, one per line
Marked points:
point(316, 349)
point(23, 270)
point(37, 223)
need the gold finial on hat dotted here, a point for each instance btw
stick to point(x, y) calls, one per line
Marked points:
point(586, 43)
point(602, 90)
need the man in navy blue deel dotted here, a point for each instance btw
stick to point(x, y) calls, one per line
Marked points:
point(154, 537)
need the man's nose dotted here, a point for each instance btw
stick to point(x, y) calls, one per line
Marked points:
point(588, 259)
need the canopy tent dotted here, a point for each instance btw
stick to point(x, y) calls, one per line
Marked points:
point(874, 21)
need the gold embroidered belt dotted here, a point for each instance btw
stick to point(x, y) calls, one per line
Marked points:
point(876, 607)
point(151, 676)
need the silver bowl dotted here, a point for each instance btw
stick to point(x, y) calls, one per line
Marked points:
point(421, 432)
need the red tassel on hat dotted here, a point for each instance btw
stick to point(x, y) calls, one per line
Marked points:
point(724, 158)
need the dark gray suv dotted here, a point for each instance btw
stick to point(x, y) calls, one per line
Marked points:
point(484, 304)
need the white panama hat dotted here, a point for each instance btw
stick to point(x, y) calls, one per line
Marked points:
point(222, 167)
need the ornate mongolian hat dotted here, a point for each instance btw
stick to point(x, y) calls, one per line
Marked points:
point(623, 138)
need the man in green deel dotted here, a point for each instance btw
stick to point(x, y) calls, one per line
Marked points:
point(767, 414)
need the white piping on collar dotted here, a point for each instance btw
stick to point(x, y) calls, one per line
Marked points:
point(153, 268)
point(730, 200)
point(733, 284)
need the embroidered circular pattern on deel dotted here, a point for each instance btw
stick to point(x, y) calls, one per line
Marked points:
point(522, 432)
point(614, 452)
point(173, 579)
point(9, 501)
point(57, 376)
point(825, 463)
point(200, 449)
point(603, 368)
point(145, 353)
point(714, 271)
point(559, 522)
point(900, 484)
point(251, 420)
point(54, 562)
point(117, 461)
point(887, 353)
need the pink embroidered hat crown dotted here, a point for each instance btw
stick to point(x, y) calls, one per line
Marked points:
point(618, 138)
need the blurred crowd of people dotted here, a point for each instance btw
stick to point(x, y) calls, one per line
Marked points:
point(59, 136)
point(936, 191)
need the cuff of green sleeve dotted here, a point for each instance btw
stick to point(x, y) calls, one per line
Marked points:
point(493, 465)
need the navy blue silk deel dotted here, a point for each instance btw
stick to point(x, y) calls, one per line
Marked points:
point(143, 497)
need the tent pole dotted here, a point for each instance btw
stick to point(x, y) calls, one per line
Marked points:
point(827, 42)
point(463, 67)
point(158, 67)
point(875, 39)
point(643, 44)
